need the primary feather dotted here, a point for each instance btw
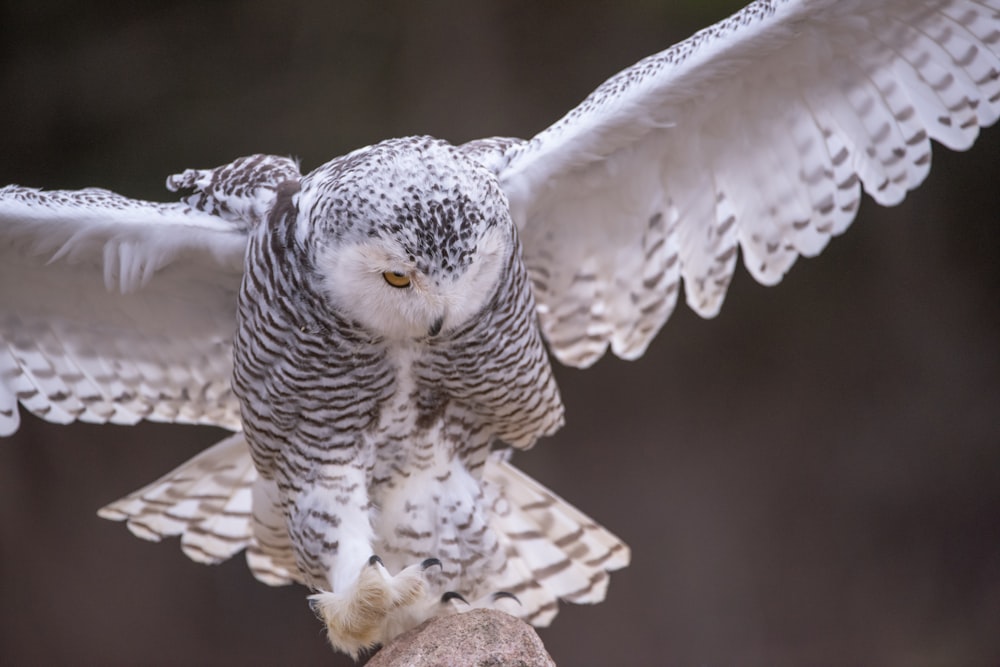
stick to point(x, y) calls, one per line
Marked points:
point(756, 134)
point(115, 310)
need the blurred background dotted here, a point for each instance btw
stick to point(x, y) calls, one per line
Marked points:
point(811, 477)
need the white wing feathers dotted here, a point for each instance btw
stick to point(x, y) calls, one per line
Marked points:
point(115, 310)
point(756, 134)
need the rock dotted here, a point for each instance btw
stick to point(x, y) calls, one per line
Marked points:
point(477, 638)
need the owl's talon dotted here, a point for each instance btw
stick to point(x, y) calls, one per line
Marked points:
point(375, 559)
point(485, 602)
point(500, 595)
point(429, 563)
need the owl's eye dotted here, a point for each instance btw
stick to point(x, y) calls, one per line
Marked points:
point(396, 279)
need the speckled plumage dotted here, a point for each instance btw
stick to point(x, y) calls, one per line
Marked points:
point(400, 407)
point(383, 320)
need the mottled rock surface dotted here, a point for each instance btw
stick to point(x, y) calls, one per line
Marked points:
point(477, 638)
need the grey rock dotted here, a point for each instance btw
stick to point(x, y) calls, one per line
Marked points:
point(477, 638)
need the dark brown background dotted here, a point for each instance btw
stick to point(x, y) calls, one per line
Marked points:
point(814, 476)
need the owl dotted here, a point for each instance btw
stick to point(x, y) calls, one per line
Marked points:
point(376, 333)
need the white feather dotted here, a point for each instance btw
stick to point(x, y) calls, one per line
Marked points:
point(114, 309)
point(756, 132)
point(554, 551)
point(206, 500)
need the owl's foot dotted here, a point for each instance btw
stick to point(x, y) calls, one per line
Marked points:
point(362, 616)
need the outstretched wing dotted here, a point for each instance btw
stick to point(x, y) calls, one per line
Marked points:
point(756, 134)
point(116, 310)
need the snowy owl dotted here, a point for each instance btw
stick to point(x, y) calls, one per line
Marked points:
point(375, 332)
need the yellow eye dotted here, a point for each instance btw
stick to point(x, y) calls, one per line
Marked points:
point(396, 279)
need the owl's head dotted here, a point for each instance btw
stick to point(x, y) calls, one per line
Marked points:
point(413, 237)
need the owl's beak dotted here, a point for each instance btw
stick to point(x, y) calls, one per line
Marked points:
point(436, 326)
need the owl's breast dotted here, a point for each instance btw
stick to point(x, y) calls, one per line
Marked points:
point(410, 419)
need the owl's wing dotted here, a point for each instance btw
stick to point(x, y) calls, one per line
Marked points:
point(115, 310)
point(756, 134)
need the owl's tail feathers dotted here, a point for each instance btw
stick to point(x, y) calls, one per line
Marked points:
point(208, 502)
point(554, 551)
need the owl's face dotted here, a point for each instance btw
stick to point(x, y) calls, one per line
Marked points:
point(395, 296)
point(423, 256)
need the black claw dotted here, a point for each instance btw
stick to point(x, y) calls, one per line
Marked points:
point(431, 562)
point(504, 594)
point(375, 559)
point(452, 595)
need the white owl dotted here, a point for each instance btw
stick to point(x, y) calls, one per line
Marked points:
point(375, 331)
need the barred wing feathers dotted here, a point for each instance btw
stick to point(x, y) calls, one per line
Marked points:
point(756, 134)
point(115, 309)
